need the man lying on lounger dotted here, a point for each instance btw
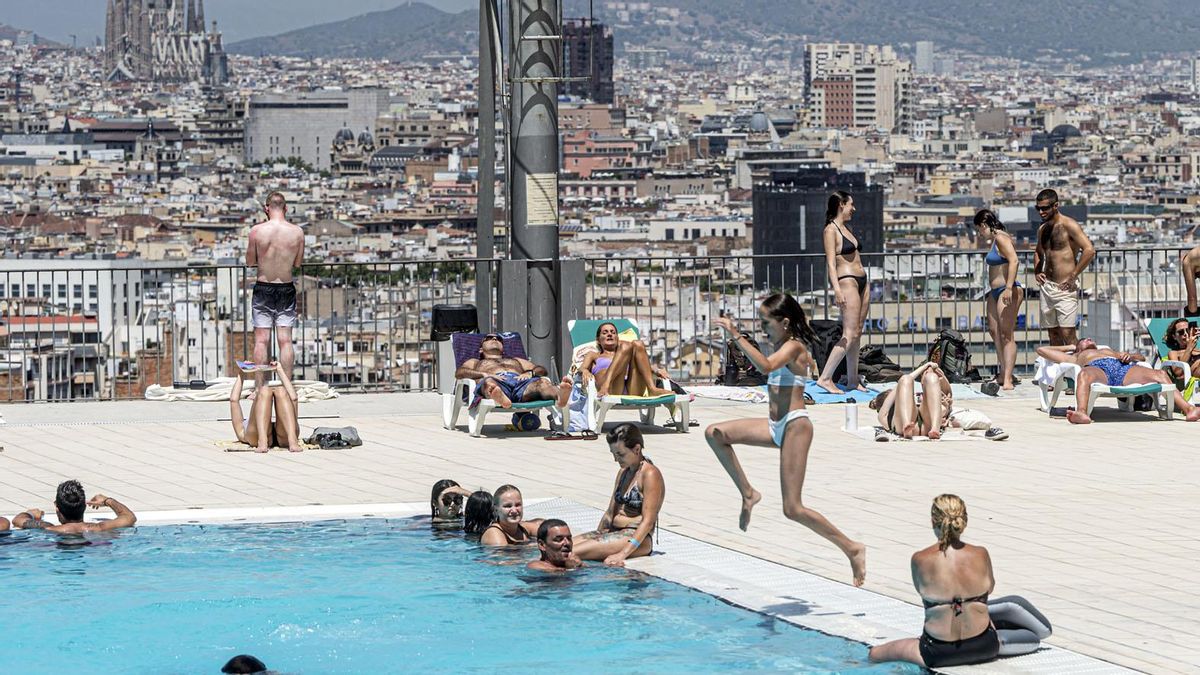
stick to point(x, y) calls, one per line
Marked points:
point(1116, 369)
point(71, 503)
point(505, 379)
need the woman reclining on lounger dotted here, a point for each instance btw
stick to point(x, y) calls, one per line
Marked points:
point(263, 434)
point(620, 367)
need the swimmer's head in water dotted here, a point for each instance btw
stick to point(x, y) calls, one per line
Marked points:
point(479, 512)
point(70, 501)
point(450, 505)
point(782, 317)
point(508, 504)
point(554, 541)
point(949, 516)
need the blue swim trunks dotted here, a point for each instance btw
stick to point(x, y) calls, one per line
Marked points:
point(1113, 369)
point(512, 387)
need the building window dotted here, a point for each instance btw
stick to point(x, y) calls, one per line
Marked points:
point(77, 290)
point(46, 290)
point(30, 290)
point(62, 290)
point(16, 290)
point(93, 291)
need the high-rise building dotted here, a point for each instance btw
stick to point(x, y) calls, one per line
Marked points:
point(588, 53)
point(163, 41)
point(924, 62)
point(789, 220)
point(306, 125)
point(1196, 74)
point(857, 86)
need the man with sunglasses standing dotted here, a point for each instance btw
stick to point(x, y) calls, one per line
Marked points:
point(1063, 252)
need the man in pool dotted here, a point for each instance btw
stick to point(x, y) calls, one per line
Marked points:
point(554, 542)
point(1116, 369)
point(505, 379)
point(70, 503)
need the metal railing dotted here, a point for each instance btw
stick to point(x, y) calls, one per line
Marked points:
point(108, 332)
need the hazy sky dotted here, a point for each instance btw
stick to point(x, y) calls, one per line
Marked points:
point(237, 19)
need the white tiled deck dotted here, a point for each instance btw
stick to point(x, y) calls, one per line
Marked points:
point(1093, 524)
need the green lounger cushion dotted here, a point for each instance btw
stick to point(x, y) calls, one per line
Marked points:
point(1136, 390)
point(529, 405)
point(666, 399)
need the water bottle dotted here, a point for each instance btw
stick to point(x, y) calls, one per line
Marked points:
point(851, 416)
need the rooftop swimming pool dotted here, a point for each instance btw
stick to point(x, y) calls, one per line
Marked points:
point(366, 596)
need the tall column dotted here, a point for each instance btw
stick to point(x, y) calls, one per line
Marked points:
point(485, 243)
point(535, 60)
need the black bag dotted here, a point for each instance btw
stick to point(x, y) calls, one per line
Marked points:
point(875, 366)
point(949, 352)
point(332, 438)
point(738, 370)
point(827, 333)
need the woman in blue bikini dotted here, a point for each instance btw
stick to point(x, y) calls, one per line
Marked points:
point(620, 367)
point(1006, 295)
point(787, 426)
point(632, 514)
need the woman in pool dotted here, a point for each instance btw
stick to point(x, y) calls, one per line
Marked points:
point(620, 367)
point(953, 579)
point(508, 529)
point(904, 413)
point(851, 290)
point(1006, 295)
point(480, 512)
point(787, 426)
point(446, 501)
point(258, 430)
point(626, 527)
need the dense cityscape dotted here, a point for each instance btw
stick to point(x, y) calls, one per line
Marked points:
point(132, 170)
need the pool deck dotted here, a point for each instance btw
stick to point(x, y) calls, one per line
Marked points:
point(1090, 523)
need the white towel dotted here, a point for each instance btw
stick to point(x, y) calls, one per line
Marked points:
point(219, 390)
point(1048, 372)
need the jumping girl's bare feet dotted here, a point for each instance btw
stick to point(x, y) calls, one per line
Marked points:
point(747, 506)
point(858, 563)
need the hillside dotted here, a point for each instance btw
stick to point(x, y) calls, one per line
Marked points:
point(9, 33)
point(405, 32)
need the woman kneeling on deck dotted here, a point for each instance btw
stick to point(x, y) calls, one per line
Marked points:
point(632, 514)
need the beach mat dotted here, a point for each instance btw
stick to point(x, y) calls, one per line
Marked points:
point(237, 446)
point(820, 396)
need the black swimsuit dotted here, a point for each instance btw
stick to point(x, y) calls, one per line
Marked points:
point(944, 653)
point(847, 249)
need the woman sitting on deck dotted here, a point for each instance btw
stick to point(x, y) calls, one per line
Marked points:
point(258, 430)
point(620, 367)
point(907, 414)
point(626, 527)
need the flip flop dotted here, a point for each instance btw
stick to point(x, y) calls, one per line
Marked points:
point(585, 435)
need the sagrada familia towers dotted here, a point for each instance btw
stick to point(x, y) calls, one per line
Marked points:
point(163, 41)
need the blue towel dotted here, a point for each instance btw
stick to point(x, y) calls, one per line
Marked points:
point(819, 395)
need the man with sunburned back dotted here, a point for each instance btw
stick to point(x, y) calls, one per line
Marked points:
point(1116, 369)
point(505, 379)
point(71, 503)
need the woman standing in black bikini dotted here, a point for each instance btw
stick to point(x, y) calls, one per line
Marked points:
point(954, 580)
point(850, 290)
point(509, 528)
point(632, 514)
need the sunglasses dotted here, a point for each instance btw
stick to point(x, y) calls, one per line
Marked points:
point(1183, 331)
point(1048, 207)
point(492, 336)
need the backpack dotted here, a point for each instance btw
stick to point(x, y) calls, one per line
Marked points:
point(875, 366)
point(738, 370)
point(949, 352)
point(827, 333)
point(332, 438)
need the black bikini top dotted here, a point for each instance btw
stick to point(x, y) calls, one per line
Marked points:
point(847, 247)
point(956, 603)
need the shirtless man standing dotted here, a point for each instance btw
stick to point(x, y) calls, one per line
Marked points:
point(71, 503)
point(1116, 369)
point(1063, 252)
point(276, 248)
point(504, 379)
point(1191, 269)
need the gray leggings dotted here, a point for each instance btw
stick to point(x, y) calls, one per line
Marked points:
point(1019, 624)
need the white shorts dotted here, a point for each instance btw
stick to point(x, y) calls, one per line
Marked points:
point(1060, 306)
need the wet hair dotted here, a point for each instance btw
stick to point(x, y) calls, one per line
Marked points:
point(627, 434)
point(546, 526)
point(479, 512)
point(1047, 195)
point(244, 664)
point(276, 200)
point(601, 327)
point(1169, 339)
point(836, 201)
point(780, 306)
point(988, 218)
point(949, 514)
point(500, 491)
point(71, 501)
point(438, 487)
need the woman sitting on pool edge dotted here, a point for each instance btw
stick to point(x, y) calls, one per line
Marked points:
point(632, 514)
point(508, 528)
point(954, 580)
point(619, 366)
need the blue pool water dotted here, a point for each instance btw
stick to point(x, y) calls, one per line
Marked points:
point(365, 596)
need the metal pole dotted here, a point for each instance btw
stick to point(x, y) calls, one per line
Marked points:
point(489, 60)
point(536, 61)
